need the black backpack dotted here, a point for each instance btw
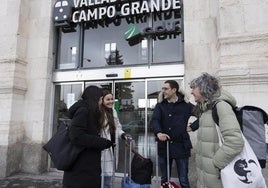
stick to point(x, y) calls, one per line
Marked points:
point(252, 120)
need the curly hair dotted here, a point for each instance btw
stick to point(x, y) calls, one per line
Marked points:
point(207, 84)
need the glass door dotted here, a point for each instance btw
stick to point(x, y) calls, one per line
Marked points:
point(65, 95)
point(130, 106)
point(134, 102)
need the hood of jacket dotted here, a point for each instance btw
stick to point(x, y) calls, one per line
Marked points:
point(220, 95)
point(76, 106)
point(181, 94)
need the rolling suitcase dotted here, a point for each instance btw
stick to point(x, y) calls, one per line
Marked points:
point(168, 184)
point(127, 181)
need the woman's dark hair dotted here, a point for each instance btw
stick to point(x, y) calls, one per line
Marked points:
point(107, 114)
point(91, 96)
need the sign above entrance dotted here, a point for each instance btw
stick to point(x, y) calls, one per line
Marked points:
point(87, 10)
point(165, 14)
point(68, 12)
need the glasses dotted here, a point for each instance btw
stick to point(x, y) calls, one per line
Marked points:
point(165, 88)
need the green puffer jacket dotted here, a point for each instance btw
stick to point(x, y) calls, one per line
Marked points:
point(210, 158)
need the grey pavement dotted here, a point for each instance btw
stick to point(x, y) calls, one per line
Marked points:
point(21, 180)
point(53, 179)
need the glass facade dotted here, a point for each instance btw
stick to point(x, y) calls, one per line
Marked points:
point(106, 44)
point(106, 47)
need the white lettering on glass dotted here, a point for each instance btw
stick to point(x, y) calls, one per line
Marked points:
point(105, 9)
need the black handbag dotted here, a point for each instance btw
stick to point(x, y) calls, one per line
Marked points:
point(141, 169)
point(62, 152)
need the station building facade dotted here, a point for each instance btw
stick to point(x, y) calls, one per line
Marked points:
point(51, 50)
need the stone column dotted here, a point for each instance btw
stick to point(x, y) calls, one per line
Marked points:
point(25, 84)
point(201, 38)
point(12, 90)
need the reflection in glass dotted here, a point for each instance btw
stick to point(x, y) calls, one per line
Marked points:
point(107, 47)
point(73, 55)
point(131, 114)
point(65, 96)
point(171, 48)
point(144, 49)
point(112, 55)
point(68, 56)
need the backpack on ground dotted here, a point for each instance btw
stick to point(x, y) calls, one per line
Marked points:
point(252, 122)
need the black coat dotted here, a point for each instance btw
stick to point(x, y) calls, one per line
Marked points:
point(172, 119)
point(86, 172)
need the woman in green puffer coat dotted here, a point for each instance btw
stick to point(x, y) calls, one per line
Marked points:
point(210, 157)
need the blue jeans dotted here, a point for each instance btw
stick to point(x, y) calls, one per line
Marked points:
point(107, 181)
point(182, 169)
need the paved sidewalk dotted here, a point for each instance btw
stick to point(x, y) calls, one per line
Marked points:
point(46, 180)
point(54, 179)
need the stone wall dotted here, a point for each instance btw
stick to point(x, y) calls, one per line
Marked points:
point(201, 38)
point(36, 28)
point(25, 84)
point(12, 90)
point(243, 49)
point(229, 38)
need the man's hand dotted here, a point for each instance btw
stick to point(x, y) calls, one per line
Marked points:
point(162, 136)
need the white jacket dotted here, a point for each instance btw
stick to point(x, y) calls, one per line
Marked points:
point(107, 156)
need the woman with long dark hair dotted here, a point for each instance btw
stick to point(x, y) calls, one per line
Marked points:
point(84, 132)
point(111, 129)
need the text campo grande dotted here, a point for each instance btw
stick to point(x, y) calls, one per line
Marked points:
point(126, 9)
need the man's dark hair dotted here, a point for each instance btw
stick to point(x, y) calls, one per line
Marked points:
point(173, 84)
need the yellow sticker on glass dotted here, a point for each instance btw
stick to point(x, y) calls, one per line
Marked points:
point(127, 73)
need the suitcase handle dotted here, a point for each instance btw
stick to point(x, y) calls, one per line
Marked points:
point(129, 144)
point(168, 168)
